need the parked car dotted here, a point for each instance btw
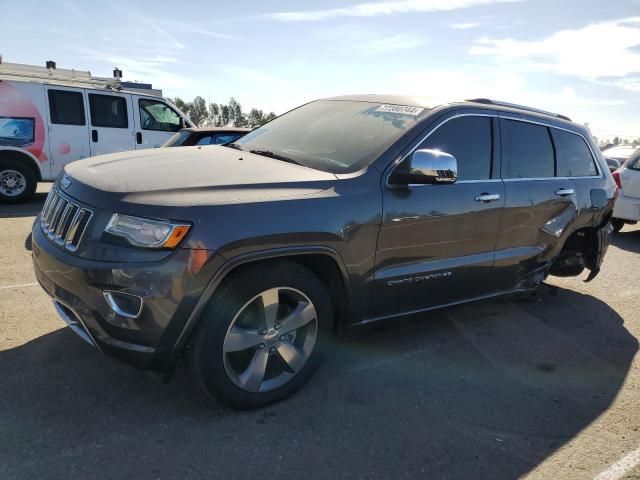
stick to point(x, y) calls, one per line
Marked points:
point(620, 153)
point(205, 136)
point(340, 213)
point(627, 206)
point(612, 163)
point(52, 117)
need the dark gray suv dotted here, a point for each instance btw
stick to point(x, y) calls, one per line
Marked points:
point(247, 257)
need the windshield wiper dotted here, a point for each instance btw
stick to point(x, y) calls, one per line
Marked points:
point(267, 153)
point(233, 145)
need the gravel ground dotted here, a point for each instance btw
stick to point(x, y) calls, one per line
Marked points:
point(541, 388)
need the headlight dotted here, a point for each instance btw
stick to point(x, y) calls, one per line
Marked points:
point(143, 232)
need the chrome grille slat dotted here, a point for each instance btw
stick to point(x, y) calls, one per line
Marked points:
point(56, 217)
point(49, 212)
point(64, 218)
point(63, 221)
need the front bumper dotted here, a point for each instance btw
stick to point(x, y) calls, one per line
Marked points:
point(169, 288)
point(626, 208)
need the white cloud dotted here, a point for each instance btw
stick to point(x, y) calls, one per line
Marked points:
point(381, 8)
point(352, 39)
point(464, 26)
point(443, 86)
point(253, 77)
point(389, 44)
point(603, 49)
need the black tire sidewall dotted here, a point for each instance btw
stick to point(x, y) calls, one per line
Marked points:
point(207, 356)
point(617, 224)
point(29, 176)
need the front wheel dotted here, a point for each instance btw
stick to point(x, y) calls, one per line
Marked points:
point(617, 224)
point(261, 336)
point(17, 181)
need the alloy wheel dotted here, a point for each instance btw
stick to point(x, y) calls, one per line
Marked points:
point(270, 339)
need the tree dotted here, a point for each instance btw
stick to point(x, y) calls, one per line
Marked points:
point(236, 117)
point(221, 115)
point(616, 140)
point(198, 111)
point(182, 105)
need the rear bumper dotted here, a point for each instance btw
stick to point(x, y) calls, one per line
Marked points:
point(626, 208)
point(168, 288)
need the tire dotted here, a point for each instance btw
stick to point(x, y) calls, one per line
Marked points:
point(18, 181)
point(227, 368)
point(617, 224)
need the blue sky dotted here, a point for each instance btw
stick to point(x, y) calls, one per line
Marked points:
point(579, 57)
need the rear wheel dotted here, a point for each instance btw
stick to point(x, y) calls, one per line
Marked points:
point(18, 182)
point(261, 336)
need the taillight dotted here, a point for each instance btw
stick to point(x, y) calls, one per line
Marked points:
point(616, 177)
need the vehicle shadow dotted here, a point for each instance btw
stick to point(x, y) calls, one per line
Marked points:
point(627, 239)
point(27, 209)
point(488, 390)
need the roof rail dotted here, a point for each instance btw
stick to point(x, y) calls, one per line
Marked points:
point(488, 101)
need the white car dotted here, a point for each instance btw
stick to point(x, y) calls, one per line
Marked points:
point(627, 206)
point(620, 152)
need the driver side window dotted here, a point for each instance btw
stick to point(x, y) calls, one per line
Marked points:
point(158, 116)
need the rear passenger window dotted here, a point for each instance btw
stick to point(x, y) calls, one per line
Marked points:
point(527, 150)
point(108, 111)
point(573, 155)
point(469, 140)
point(66, 108)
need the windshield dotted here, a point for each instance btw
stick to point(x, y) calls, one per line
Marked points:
point(334, 136)
point(177, 139)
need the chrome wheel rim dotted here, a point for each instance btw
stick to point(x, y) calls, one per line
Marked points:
point(12, 183)
point(270, 339)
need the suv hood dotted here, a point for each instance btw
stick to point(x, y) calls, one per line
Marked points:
point(189, 176)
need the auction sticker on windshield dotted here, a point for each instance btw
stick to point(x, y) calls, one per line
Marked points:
point(401, 109)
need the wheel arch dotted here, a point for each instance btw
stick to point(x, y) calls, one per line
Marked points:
point(8, 153)
point(323, 261)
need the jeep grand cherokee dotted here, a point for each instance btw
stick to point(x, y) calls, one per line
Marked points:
point(344, 211)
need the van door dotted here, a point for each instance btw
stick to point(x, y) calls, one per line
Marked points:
point(437, 242)
point(111, 122)
point(68, 129)
point(156, 122)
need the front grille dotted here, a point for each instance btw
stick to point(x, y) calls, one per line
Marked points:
point(63, 221)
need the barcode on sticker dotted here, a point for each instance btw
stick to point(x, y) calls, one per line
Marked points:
point(401, 109)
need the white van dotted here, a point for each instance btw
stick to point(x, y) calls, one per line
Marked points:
point(49, 118)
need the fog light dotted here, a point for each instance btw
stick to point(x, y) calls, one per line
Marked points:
point(124, 304)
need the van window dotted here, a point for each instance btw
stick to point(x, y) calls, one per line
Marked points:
point(156, 115)
point(108, 111)
point(527, 150)
point(573, 155)
point(66, 108)
point(469, 140)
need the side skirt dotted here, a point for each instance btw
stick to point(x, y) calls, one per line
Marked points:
point(370, 320)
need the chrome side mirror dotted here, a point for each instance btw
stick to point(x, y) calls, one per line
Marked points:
point(426, 167)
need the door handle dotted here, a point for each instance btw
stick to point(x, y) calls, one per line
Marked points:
point(139, 138)
point(94, 136)
point(564, 192)
point(488, 197)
